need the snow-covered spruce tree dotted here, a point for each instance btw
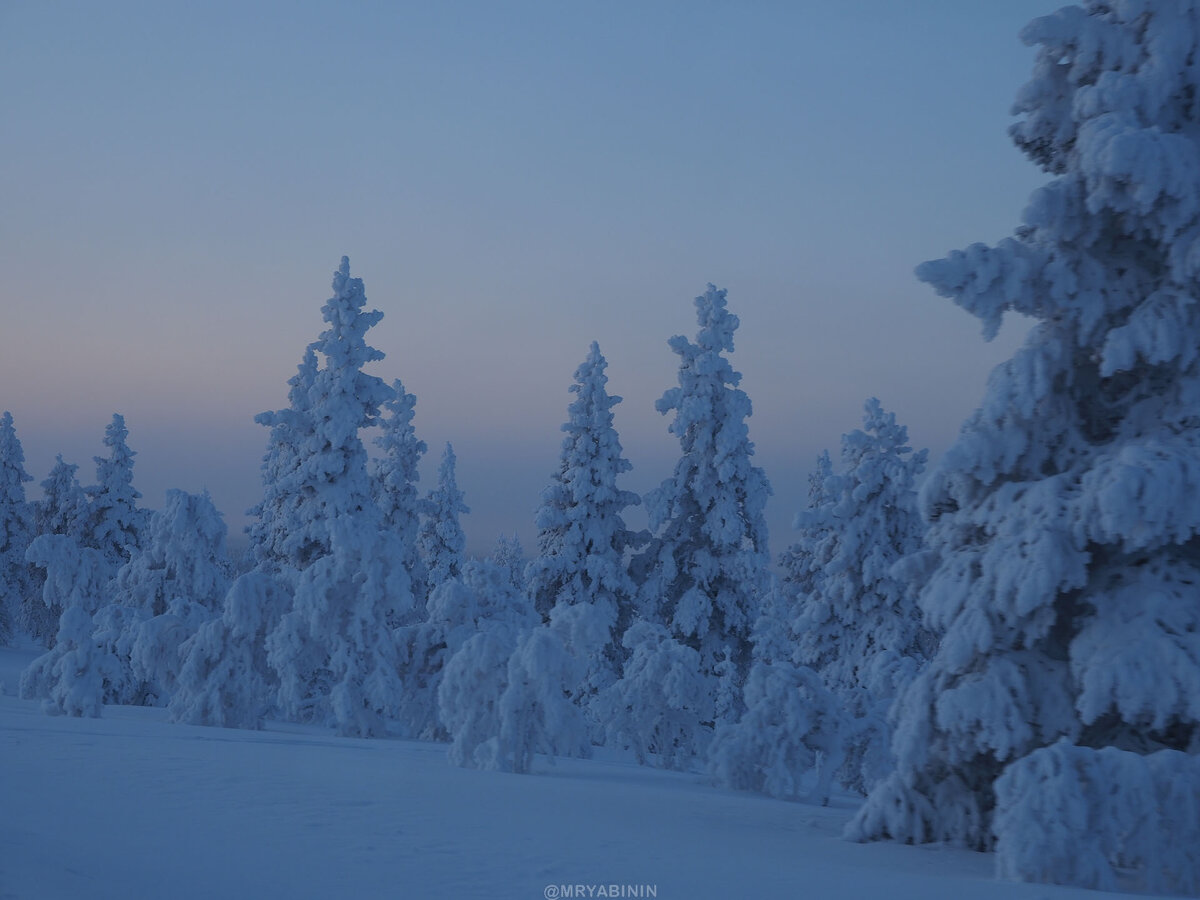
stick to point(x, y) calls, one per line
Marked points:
point(395, 483)
point(706, 566)
point(275, 540)
point(1065, 517)
point(114, 520)
point(800, 579)
point(859, 625)
point(63, 509)
point(334, 653)
point(510, 556)
point(791, 738)
point(483, 621)
point(441, 537)
point(224, 679)
point(704, 572)
point(582, 538)
point(174, 584)
point(17, 582)
point(74, 677)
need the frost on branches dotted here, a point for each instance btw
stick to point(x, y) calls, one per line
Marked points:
point(395, 485)
point(1065, 518)
point(115, 522)
point(858, 623)
point(334, 652)
point(441, 537)
point(74, 676)
point(705, 571)
point(17, 584)
point(582, 538)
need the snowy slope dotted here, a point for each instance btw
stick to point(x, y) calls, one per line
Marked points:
point(129, 806)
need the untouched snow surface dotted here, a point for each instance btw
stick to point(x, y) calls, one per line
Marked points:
point(129, 806)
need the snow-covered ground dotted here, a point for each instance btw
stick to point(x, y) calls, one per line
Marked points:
point(128, 806)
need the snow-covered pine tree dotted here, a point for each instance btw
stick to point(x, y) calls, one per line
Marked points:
point(441, 537)
point(704, 573)
point(582, 538)
point(858, 624)
point(276, 542)
point(73, 677)
point(17, 582)
point(396, 476)
point(224, 679)
point(114, 520)
point(1065, 518)
point(335, 653)
point(175, 584)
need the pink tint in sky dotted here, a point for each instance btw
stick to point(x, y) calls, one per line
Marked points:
point(512, 182)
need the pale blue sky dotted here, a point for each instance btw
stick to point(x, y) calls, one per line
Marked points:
point(512, 181)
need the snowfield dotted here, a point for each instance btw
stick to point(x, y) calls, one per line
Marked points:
point(129, 806)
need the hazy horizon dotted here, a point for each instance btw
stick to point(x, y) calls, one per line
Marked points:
point(511, 184)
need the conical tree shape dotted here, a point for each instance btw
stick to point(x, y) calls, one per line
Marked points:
point(115, 522)
point(706, 566)
point(1065, 518)
point(17, 581)
point(582, 538)
point(441, 536)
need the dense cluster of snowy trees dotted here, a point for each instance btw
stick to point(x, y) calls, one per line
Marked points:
point(1004, 657)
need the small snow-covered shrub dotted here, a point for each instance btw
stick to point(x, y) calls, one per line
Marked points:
point(789, 741)
point(1074, 815)
point(664, 705)
point(469, 695)
point(538, 711)
point(225, 679)
point(481, 597)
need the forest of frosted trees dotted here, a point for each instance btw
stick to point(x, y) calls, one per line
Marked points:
point(1001, 651)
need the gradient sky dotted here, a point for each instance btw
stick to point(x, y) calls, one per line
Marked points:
point(511, 181)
